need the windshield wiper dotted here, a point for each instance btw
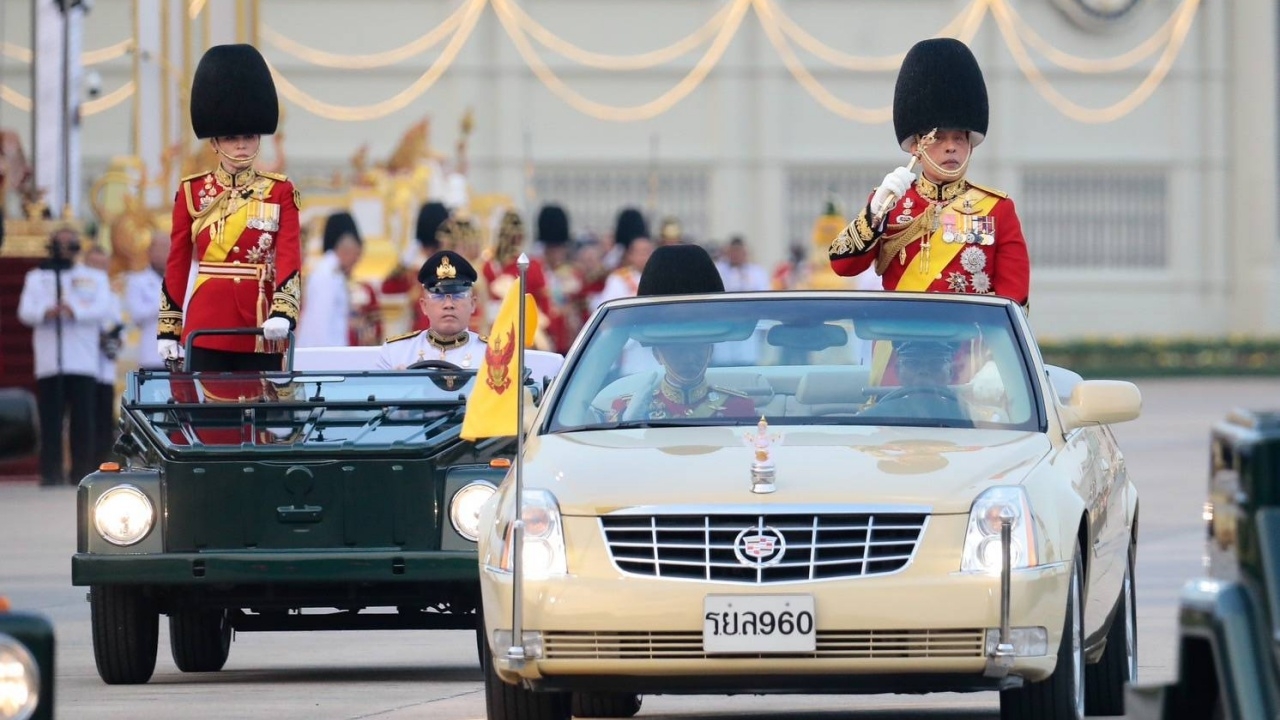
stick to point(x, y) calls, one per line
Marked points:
point(644, 424)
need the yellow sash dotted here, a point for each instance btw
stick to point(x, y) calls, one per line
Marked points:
point(225, 229)
point(916, 279)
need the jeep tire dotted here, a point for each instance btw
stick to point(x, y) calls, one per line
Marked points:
point(126, 633)
point(200, 639)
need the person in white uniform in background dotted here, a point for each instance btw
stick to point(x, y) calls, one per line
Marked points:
point(326, 305)
point(66, 373)
point(741, 275)
point(448, 302)
point(142, 297)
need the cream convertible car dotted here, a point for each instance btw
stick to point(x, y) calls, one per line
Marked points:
point(807, 493)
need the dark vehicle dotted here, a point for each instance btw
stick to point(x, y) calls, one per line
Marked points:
point(26, 639)
point(305, 500)
point(1228, 621)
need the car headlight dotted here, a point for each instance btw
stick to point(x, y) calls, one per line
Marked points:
point(464, 508)
point(982, 546)
point(543, 555)
point(123, 515)
point(19, 680)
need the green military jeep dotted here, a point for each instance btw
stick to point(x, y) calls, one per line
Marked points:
point(1229, 621)
point(316, 499)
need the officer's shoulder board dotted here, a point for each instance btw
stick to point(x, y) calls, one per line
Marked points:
point(483, 338)
point(405, 336)
point(194, 176)
point(727, 391)
point(278, 177)
point(989, 191)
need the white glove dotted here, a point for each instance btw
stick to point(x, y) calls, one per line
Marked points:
point(895, 183)
point(276, 328)
point(168, 349)
point(988, 388)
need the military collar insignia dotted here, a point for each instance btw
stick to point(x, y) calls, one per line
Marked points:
point(940, 193)
point(241, 179)
point(681, 396)
point(444, 343)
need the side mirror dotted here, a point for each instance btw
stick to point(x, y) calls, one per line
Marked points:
point(1102, 402)
point(18, 432)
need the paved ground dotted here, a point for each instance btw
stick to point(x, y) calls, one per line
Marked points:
point(434, 675)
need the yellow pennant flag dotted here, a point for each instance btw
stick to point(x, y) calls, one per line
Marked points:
point(492, 408)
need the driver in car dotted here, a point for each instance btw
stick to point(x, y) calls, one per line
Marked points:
point(448, 303)
point(683, 391)
point(924, 369)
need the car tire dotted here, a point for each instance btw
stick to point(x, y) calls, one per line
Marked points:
point(200, 639)
point(513, 702)
point(1061, 695)
point(126, 633)
point(1105, 680)
point(605, 705)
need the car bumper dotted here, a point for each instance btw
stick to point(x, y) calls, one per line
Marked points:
point(923, 628)
point(209, 568)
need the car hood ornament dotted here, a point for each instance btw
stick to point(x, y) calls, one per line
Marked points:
point(763, 470)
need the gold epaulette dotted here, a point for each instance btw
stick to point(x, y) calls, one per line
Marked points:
point(727, 391)
point(990, 191)
point(483, 338)
point(278, 177)
point(405, 336)
point(195, 176)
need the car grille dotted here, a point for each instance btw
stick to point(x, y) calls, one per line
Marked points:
point(761, 549)
point(847, 644)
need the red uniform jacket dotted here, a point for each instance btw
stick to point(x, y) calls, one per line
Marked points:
point(499, 279)
point(236, 253)
point(975, 226)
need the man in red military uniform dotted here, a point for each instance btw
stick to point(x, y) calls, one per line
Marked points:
point(501, 274)
point(235, 259)
point(683, 390)
point(939, 232)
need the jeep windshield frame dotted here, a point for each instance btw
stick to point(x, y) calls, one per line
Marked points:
point(184, 414)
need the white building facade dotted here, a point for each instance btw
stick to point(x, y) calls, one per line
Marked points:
point(1141, 151)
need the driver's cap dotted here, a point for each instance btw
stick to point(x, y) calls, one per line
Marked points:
point(446, 271)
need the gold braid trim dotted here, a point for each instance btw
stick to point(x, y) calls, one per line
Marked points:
point(284, 303)
point(169, 326)
point(892, 245)
point(855, 239)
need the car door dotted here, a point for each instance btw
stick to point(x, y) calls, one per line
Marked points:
point(1110, 526)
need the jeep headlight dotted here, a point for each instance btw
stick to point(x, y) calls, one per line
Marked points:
point(543, 554)
point(19, 680)
point(123, 515)
point(982, 546)
point(464, 508)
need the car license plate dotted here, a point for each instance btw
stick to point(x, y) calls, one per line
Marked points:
point(758, 624)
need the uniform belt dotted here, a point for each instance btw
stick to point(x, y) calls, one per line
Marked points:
point(239, 271)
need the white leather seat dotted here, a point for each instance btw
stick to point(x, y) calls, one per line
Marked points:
point(831, 390)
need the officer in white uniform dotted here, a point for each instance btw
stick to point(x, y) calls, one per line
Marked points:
point(448, 302)
point(142, 297)
point(326, 300)
point(66, 379)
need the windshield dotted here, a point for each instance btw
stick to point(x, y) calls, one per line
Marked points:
point(800, 361)
point(323, 410)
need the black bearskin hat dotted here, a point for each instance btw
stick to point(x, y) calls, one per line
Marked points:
point(631, 225)
point(337, 225)
point(430, 217)
point(553, 225)
point(233, 94)
point(939, 86)
point(679, 269)
point(447, 271)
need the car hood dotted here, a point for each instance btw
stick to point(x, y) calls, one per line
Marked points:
point(592, 473)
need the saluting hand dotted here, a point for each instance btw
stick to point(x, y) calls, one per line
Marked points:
point(895, 183)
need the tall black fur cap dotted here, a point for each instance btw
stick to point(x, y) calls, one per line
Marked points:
point(939, 86)
point(337, 225)
point(631, 225)
point(430, 217)
point(679, 269)
point(553, 225)
point(233, 93)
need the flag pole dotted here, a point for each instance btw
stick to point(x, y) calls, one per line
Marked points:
point(515, 653)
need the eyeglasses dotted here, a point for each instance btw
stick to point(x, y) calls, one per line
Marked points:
point(455, 296)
